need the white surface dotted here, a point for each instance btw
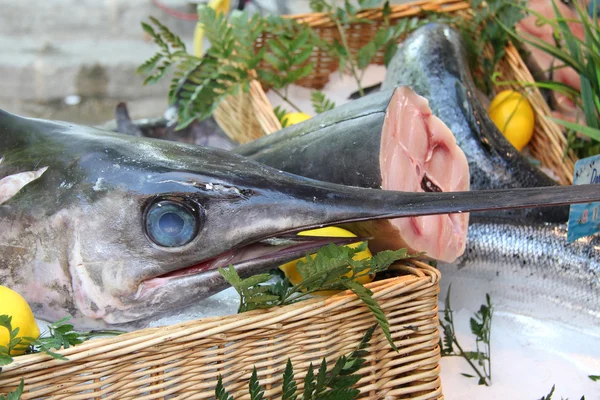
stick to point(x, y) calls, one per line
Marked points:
point(528, 357)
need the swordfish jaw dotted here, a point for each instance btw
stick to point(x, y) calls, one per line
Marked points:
point(113, 229)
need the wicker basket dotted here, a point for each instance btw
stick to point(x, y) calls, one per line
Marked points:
point(248, 116)
point(183, 361)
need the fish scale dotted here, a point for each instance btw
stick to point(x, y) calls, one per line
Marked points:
point(530, 270)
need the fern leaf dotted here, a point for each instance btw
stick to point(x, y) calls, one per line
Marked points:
point(289, 384)
point(231, 276)
point(367, 297)
point(169, 36)
point(340, 394)
point(220, 392)
point(16, 395)
point(157, 38)
point(382, 260)
point(256, 391)
point(550, 394)
point(309, 383)
point(321, 383)
point(299, 73)
point(302, 56)
point(319, 6)
point(280, 113)
point(320, 102)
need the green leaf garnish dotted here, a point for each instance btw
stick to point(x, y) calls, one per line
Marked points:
point(329, 384)
point(320, 102)
point(16, 395)
point(481, 327)
point(327, 270)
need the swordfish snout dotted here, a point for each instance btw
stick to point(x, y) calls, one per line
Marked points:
point(114, 229)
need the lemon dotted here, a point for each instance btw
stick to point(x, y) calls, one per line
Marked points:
point(14, 305)
point(513, 115)
point(294, 118)
point(293, 274)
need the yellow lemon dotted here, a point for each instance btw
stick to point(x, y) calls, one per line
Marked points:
point(292, 272)
point(14, 305)
point(513, 115)
point(294, 118)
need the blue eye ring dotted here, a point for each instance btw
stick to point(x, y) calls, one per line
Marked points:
point(172, 222)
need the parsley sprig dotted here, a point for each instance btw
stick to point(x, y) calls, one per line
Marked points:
point(335, 383)
point(60, 335)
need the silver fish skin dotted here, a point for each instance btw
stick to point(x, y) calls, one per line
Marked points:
point(528, 270)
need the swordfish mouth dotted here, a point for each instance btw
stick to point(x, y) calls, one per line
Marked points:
point(248, 260)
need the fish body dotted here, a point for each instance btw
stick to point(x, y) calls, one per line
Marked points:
point(528, 269)
point(344, 145)
point(432, 61)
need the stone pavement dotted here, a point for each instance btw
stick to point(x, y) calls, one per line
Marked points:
point(52, 49)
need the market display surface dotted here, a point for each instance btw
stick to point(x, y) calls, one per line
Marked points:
point(419, 245)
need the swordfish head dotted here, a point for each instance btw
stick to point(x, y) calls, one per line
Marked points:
point(114, 229)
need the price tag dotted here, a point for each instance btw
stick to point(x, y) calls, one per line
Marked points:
point(584, 219)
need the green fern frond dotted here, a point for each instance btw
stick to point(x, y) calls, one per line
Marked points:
point(320, 102)
point(289, 384)
point(220, 392)
point(367, 297)
point(172, 39)
point(280, 113)
point(256, 391)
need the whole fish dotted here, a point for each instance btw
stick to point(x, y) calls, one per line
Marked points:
point(115, 229)
point(529, 270)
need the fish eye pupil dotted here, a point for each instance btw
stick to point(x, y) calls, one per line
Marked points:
point(171, 224)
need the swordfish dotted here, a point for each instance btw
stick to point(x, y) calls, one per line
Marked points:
point(114, 229)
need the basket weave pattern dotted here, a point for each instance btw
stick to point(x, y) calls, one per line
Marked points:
point(248, 116)
point(183, 361)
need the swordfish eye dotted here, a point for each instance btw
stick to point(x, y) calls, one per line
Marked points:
point(171, 223)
